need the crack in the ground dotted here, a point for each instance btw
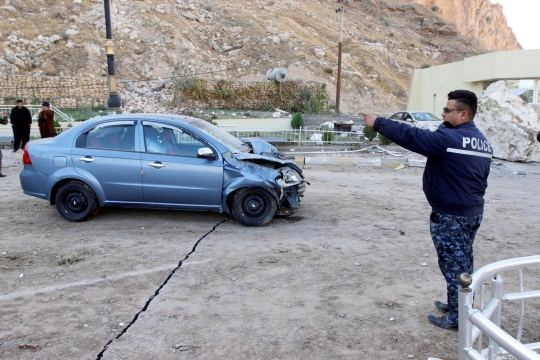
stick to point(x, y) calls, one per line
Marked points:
point(156, 293)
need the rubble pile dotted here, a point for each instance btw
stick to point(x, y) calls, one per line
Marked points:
point(509, 123)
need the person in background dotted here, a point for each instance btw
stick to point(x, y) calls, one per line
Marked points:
point(46, 121)
point(455, 181)
point(3, 121)
point(21, 121)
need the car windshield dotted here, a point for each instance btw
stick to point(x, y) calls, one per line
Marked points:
point(236, 145)
point(424, 116)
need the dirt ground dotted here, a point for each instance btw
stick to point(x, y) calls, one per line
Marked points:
point(353, 274)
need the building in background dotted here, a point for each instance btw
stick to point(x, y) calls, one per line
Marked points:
point(519, 68)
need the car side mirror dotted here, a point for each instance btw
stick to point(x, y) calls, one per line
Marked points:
point(206, 153)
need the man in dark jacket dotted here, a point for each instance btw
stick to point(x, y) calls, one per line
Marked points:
point(454, 182)
point(21, 120)
point(46, 121)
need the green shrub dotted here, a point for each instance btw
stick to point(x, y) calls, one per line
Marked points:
point(369, 133)
point(425, 66)
point(383, 140)
point(266, 107)
point(435, 8)
point(56, 123)
point(297, 121)
point(328, 136)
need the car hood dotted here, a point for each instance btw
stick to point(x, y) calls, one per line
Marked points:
point(262, 151)
point(261, 147)
point(429, 125)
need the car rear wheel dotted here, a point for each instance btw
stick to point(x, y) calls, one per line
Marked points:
point(253, 206)
point(76, 202)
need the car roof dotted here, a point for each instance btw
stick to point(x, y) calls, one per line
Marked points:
point(147, 116)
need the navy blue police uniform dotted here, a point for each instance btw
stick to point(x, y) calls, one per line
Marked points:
point(454, 182)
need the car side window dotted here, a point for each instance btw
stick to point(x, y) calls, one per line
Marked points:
point(109, 137)
point(171, 141)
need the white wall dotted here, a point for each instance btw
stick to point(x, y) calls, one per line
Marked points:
point(469, 75)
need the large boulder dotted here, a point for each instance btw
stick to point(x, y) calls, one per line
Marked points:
point(7, 69)
point(509, 123)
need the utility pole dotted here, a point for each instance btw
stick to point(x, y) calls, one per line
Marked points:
point(341, 10)
point(113, 102)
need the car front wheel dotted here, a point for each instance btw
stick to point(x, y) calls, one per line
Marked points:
point(76, 202)
point(253, 206)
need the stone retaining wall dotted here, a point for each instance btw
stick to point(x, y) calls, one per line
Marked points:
point(63, 91)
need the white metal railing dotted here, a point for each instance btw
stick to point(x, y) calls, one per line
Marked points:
point(35, 109)
point(474, 323)
point(303, 137)
point(298, 137)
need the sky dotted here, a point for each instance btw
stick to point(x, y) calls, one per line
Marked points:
point(522, 17)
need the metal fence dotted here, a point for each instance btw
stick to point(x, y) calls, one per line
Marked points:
point(298, 137)
point(35, 109)
point(474, 323)
point(303, 137)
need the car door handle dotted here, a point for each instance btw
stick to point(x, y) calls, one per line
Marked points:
point(156, 165)
point(87, 159)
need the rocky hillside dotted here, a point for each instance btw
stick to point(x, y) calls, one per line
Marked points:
point(478, 19)
point(384, 41)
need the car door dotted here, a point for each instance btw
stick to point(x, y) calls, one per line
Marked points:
point(173, 175)
point(397, 117)
point(107, 157)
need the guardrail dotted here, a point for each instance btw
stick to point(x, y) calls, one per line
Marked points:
point(297, 137)
point(303, 137)
point(35, 109)
point(474, 323)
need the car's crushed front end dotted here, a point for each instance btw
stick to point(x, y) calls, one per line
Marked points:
point(267, 168)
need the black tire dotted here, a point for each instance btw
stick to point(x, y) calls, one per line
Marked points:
point(253, 206)
point(76, 202)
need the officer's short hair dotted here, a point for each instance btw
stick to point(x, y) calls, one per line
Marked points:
point(465, 99)
point(18, 101)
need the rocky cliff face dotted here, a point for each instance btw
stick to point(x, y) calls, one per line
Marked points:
point(384, 41)
point(478, 19)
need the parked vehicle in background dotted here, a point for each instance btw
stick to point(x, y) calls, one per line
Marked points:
point(160, 161)
point(420, 119)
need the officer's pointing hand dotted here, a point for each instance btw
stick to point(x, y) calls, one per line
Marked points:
point(369, 119)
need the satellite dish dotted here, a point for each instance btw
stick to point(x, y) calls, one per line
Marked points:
point(279, 75)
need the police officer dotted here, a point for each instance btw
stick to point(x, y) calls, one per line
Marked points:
point(454, 182)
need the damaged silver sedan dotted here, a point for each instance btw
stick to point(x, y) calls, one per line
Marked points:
point(160, 161)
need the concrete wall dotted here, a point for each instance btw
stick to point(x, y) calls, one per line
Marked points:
point(517, 64)
point(469, 75)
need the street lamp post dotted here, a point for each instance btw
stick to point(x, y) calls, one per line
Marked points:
point(341, 10)
point(113, 103)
